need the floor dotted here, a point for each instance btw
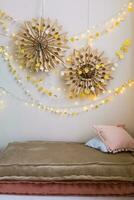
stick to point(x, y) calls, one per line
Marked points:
point(15, 197)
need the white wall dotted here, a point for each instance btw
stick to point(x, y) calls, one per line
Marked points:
point(18, 122)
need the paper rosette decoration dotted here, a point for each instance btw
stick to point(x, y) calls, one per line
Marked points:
point(39, 45)
point(87, 73)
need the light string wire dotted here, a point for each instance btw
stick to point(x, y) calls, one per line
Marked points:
point(88, 19)
point(12, 20)
point(43, 8)
point(77, 34)
point(113, 16)
point(65, 110)
point(6, 91)
point(84, 34)
point(88, 13)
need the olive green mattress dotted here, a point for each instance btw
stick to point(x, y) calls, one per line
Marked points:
point(63, 161)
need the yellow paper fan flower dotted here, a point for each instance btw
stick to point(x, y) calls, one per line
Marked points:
point(87, 73)
point(39, 45)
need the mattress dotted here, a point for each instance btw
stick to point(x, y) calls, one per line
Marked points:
point(40, 167)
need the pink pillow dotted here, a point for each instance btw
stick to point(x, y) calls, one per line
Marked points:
point(115, 138)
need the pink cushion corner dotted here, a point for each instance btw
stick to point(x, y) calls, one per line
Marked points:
point(116, 138)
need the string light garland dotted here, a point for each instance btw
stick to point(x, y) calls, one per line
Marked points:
point(8, 58)
point(13, 71)
point(123, 49)
point(108, 27)
point(73, 111)
point(40, 88)
point(5, 20)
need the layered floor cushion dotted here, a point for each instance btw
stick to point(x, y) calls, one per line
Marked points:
point(44, 164)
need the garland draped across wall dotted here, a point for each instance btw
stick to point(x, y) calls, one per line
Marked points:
point(37, 48)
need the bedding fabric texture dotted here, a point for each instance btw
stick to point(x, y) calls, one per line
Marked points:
point(78, 188)
point(63, 161)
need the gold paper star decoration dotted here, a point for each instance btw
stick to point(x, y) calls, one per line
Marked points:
point(87, 73)
point(39, 45)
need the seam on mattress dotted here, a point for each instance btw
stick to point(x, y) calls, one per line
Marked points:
point(74, 164)
point(67, 182)
point(78, 194)
point(81, 177)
